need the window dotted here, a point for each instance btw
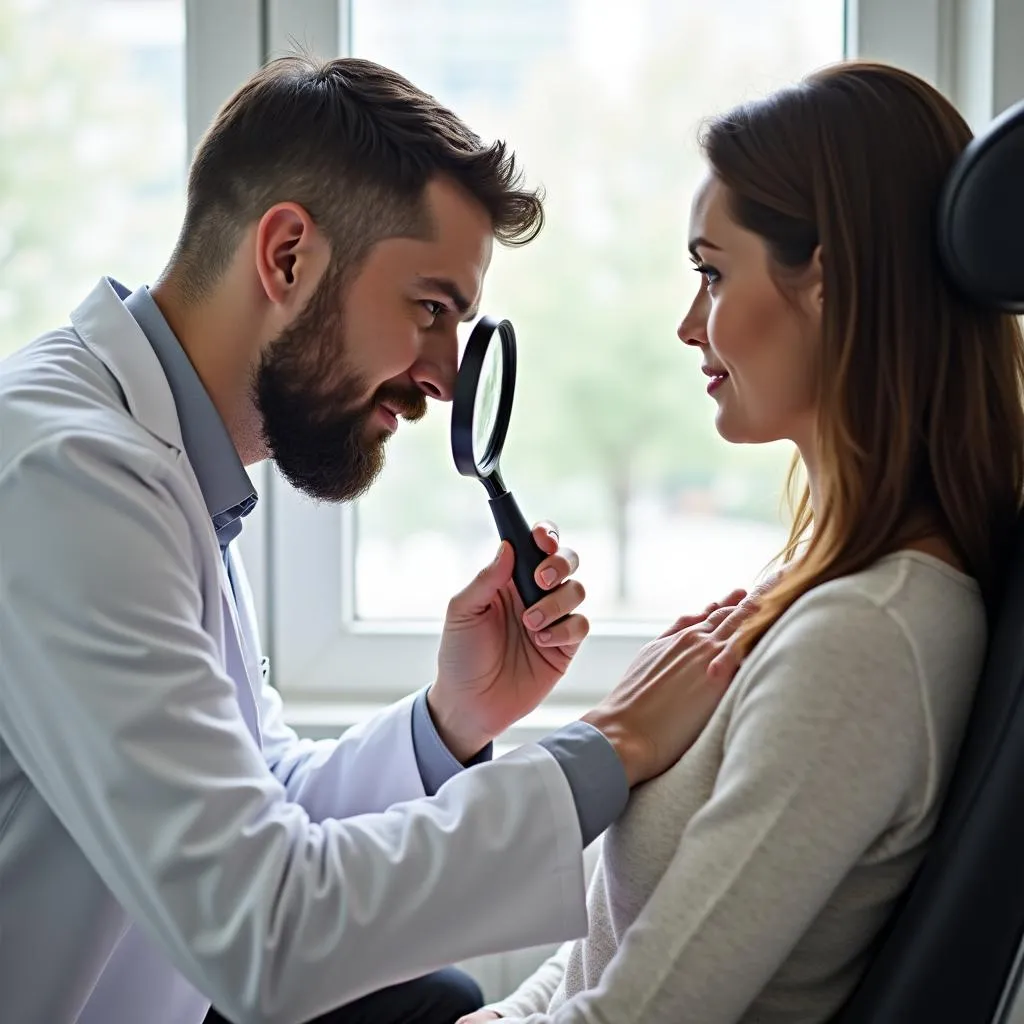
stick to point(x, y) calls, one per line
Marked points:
point(92, 151)
point(613, 435)
point(601, 100)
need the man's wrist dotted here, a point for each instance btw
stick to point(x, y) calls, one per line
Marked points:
point(463, 743)
point(625, 745)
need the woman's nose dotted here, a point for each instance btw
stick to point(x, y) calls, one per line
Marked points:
point(692, 330)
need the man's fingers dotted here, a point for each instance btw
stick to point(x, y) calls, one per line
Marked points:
point(568, 632)
point(557, 568)
point(546, 535)
point(723, 666)
point(733, 597)
point(686, 621)
point(567, 598)
point(728, 626)
point(717, 617)
point(475, 597)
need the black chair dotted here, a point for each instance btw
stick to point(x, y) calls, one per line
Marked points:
point(951, 952)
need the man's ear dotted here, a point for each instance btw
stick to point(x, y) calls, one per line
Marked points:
point(291, 255)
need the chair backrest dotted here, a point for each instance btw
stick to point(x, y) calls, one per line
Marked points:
point(951, 948)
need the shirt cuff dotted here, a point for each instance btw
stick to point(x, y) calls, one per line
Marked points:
point(437, 764)
point(595, 775)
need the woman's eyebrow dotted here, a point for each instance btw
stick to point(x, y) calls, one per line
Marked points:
point(701, 241)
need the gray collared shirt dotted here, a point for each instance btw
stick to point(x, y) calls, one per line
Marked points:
point(592, 768)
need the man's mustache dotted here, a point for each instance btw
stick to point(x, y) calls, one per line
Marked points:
point(408, 402)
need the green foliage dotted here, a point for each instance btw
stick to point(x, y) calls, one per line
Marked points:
point(92, 161)
point(610, 403)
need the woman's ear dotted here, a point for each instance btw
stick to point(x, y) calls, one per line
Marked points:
point(814, 285)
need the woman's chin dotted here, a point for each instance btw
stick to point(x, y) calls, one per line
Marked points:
point(729, 430)
point(732, 429)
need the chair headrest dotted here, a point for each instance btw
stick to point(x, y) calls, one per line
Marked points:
point(981, 215)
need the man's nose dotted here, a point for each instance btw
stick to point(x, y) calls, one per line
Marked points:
point(434, 372)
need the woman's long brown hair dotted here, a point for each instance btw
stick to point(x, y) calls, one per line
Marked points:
point(920, 428)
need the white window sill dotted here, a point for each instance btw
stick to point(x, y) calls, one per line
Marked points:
point(324, 719)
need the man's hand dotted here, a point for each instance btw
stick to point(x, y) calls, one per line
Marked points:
point(497, 660)
point(671, 689)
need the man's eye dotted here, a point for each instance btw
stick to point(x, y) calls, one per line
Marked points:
point(433, 307)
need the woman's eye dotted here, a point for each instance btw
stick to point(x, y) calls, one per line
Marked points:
point(708, 272)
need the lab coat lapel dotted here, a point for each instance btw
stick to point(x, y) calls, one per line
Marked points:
point(111, 332)
point(242, 665)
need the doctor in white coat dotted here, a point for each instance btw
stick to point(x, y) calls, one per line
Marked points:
point(165, 839)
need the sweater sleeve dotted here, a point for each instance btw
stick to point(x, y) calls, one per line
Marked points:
point(825, 742)
point(534, 995)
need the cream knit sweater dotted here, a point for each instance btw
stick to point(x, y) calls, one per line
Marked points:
point(747, 882)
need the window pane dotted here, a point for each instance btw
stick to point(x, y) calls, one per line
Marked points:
point(92, 151)
point(613, 435)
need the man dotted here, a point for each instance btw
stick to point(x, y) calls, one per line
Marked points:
point(165, 839)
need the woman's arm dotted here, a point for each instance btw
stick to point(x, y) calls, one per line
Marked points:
point(824, 745)
point(534, 994)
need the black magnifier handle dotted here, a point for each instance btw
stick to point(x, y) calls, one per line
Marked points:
point(513, 528)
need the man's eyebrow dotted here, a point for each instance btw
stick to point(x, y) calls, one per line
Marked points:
point(451, 289)
point(701, 241)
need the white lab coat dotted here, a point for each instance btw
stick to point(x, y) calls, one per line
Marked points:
point(164, 837)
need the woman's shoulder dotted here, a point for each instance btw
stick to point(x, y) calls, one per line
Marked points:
point(909, 629)
point(908, 593)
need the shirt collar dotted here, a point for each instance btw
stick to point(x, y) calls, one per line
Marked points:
point(226, 487)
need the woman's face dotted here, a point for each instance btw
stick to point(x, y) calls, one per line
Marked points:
point(758, 344)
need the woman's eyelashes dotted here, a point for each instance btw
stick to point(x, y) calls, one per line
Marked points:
point(708, 272)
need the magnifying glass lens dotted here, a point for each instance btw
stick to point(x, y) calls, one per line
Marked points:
point(487, 403)
point(480, 415)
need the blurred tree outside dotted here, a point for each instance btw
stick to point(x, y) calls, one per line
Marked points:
point(624, 400)
point(611, 407)
point(92, 153)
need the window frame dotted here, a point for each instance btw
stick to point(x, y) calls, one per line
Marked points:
point(321, 653)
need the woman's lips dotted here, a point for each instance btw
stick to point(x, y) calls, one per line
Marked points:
point(718, 378)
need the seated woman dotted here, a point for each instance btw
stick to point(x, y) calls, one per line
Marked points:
point(749, 882)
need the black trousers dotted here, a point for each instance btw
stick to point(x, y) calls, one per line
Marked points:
point(439, 998)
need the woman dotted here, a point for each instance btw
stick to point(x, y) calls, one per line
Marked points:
point(749, 881)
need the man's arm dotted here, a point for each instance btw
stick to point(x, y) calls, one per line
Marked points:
point(340, 777)
point(117, 710)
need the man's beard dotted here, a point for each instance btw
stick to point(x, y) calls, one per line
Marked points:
point(316, 425)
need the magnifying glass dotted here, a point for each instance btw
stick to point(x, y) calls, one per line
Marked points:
point(482, 408)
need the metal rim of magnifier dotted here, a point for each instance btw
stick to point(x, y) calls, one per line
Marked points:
point(466, 383)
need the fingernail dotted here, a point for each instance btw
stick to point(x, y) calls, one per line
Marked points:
point(545, 636)
point(501, 547)
point(535, 618)
point(547, 577)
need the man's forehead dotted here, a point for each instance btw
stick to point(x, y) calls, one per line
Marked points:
point(454, 271)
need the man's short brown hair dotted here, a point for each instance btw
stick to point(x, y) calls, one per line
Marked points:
point(353, 143)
